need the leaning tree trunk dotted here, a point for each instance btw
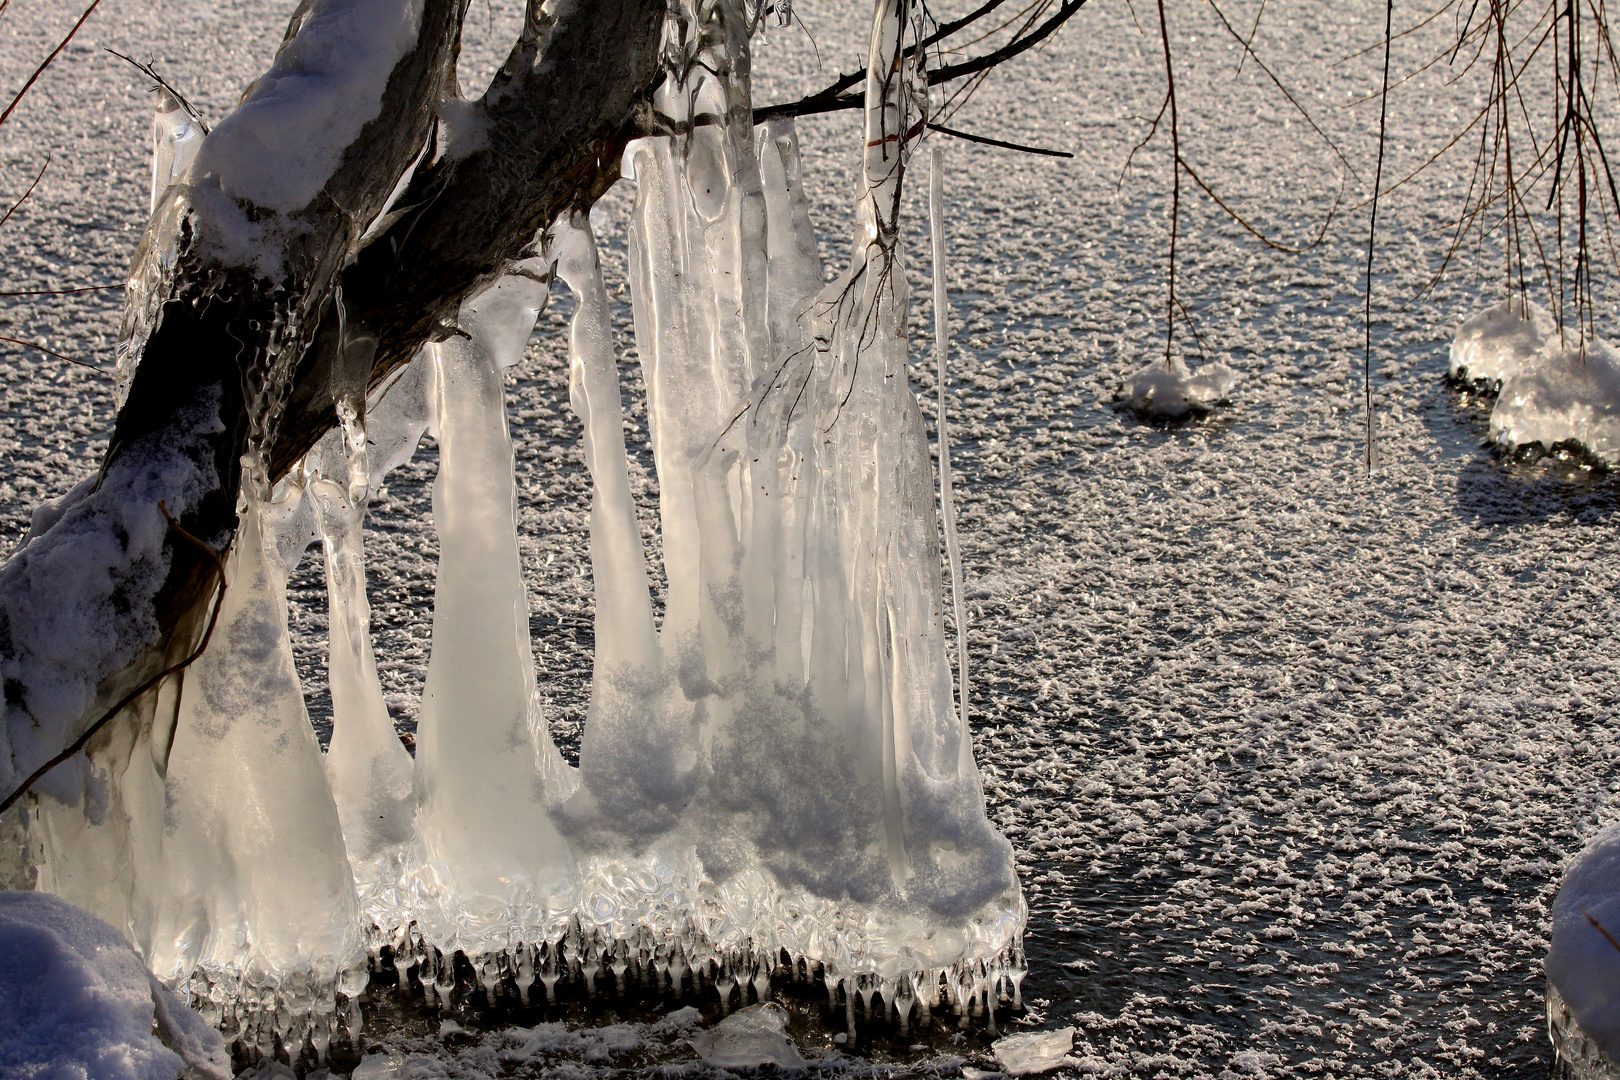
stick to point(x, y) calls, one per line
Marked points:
point(251, 316)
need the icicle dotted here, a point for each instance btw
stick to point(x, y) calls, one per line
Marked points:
point(488, 866)
point(175, 140)
point(259, 881)
point(942, 339)
point(369, 770)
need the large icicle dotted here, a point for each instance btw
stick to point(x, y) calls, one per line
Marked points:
point(370, 771)
point(259, 904)
point(488, 868)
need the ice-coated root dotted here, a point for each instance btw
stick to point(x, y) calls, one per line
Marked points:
point(1158, 391)
point(1501, 340)
point(1563, 397)
point(486, 868)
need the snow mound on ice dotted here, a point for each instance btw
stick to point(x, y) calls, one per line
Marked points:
point(1159, 391)
point(1496, 343)
point(1035, 1052)
point(1583, 961)
point(1565, 395)
point(749, 1038)
point(75, 1000)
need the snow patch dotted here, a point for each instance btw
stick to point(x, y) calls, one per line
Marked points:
point(1584, 959)
point(1499, 341)
point(75, 1000)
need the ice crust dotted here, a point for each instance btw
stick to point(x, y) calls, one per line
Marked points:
point(76, 1000)
point(1500, 341)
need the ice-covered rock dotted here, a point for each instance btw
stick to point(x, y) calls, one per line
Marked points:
point(76, 1000)
point(1500, 341)
point(1170, 393)
point(1583, 962)
point(1563, 396)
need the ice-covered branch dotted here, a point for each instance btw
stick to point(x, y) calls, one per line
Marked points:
point(233, 267)
point(546, 135)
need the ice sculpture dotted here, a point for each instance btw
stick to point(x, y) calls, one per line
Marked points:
point(1170, 390)
point(780, 767)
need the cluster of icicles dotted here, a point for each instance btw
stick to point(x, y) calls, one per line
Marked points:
point(775, 781)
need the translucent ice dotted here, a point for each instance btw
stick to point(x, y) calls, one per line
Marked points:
point(487, 867)
point(175, 139)
point(1563, 395)
point(1035, 1052)
point(257, 890)
point(1498, 342)
point(1583, 962)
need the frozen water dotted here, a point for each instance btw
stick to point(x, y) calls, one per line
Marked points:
point(487, 866)
point(1569, 395)
point(175, 140)
point(1501, 341)
point(1033, 1052)
point(749, 1039)
point(1291, 758)
point(1583, 961)
point(1174, 392)
point(76, 1000)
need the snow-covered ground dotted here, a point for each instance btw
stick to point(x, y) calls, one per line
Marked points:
point(1292, 757)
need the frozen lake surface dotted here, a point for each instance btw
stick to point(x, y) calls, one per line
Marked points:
point(1291, 756)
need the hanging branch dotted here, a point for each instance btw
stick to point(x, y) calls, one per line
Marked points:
point(1175, 188)
point(1372, 236)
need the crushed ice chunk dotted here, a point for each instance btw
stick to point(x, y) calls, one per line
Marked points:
point(1159, 391)
point(749, 1038)
point(1034, 1052)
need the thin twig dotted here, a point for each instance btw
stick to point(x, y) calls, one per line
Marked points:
point(163, 84)
point(1372, 236)
point(50, 352)
point(123, 702)
point(953, 133)
point(47, 61)
point(29, 192)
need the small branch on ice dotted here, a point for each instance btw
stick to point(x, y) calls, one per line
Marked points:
point(49, 352)
point(123, 702)
point(1599, 926)
point(29, 192)
point(163, 84)
point(47, 61)
point(953, 133)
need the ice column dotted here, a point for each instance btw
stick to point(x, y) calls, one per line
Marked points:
point(175, 140)
point(368, 768)
point(488, 868)
point(260, 898)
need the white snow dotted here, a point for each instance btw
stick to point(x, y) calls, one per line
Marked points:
point(1500, 341)
point(1172, 393)
point(1583, 960)
point(76, 1001)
